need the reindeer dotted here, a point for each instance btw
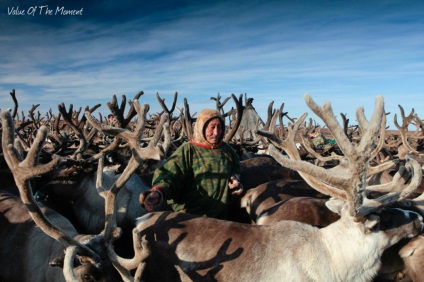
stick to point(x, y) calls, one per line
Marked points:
point(287, 200)
point(184, 247)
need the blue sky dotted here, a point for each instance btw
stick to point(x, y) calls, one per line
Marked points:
point(345, 52)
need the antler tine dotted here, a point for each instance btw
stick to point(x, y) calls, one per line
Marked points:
point(277, 141)
point(107, 129)
point(326, 114)
point(15, 160)
point(345, 123)
point(131, 112)
point(404, 128)
point(382, 167)
point(400, 189)
point(68, 271)
point(308, 148)
point(393, 186)
point(308, 128)
point(28, 168)
point(152, 151)
point(164, 107)
point(187, 120)
point(118, 111)
point(305, 169)
point(15, 101)
point(67, 117)
point(91, 110)
point(282, 114)
point(141, 123)
point(124, 265)
point(371, 129)
point(419, 122)
point(220, 105)
point(75, 117)
point(288, 145)
point(167, 135)
point(269, 115)
point(382, 138)
point(162, 127)
point(31, 114)
point(141, 252)
point(240, 108)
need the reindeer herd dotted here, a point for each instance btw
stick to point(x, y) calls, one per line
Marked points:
point(348, 211)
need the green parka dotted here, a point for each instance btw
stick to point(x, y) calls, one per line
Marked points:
point(195, 178)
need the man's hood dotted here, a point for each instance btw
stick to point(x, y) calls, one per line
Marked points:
point(200, 126)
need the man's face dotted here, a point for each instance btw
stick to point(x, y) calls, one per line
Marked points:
point(213, 131)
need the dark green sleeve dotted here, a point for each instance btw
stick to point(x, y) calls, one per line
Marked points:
point(171, 175)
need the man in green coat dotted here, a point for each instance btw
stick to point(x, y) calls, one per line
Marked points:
point(198, 177)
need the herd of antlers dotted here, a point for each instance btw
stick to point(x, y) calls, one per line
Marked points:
point(82, 141)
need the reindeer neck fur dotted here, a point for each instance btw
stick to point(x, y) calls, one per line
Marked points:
point(354, 251)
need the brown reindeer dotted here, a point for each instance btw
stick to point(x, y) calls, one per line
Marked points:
point(287, 200)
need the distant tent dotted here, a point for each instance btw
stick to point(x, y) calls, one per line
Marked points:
point(250, 121)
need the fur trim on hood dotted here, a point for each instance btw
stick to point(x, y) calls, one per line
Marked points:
point(200, 126)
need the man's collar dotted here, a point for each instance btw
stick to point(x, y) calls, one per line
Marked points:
point(207, 146)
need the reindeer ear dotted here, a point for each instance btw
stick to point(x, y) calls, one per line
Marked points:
point(406, 252)
point(246, 199)
point(57, 262)
point(409, 249)
point(371, 222)
point(335, 205)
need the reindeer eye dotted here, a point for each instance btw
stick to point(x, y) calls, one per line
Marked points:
point(88, 278)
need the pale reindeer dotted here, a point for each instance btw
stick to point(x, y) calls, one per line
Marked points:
point(188, 248)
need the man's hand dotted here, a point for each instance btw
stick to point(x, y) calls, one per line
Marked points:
point(150, 199)
point(235, 184)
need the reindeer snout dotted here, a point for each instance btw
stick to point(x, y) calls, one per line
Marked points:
point(421, 222)
point(417, 220)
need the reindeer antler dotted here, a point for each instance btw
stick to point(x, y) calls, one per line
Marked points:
point(25, 168)
point(351, 184)
point(164, 107)
point(406, 120)
point(152, 151)
point(118, 111)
